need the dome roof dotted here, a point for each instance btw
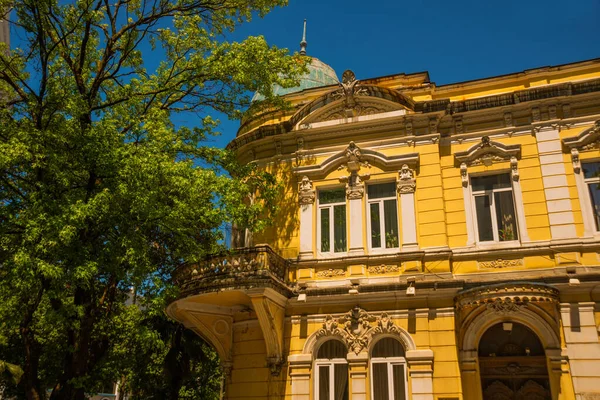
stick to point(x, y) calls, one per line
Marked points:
point(319, 74)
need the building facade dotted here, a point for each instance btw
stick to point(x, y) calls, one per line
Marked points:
point(432, 242)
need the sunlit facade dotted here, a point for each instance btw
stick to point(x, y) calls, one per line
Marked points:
point(432, 242)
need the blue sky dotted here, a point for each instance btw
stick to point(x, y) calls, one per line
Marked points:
point(453, 40)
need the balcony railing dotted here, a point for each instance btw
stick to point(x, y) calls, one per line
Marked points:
point(242, 268)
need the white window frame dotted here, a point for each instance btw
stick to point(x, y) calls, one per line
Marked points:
point(490, 193)
point(390, 361)
point(331, 364)
point(588, 198)
point(331, 252)
point(383, 248)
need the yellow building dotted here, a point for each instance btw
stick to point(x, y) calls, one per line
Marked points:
point(433, 242)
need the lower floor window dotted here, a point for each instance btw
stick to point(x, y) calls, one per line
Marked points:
point(388, 370)
point(332, 371)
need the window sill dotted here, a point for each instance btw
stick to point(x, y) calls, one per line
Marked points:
point(392, 250)
point(497, 245)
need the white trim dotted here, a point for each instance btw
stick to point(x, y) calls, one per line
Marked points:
point(587, 207)
point(330, 207)
point(356, 231)
point(380, 202)
point(390, 361)
point(306, 232)
point(409, 223)
point(331, 364)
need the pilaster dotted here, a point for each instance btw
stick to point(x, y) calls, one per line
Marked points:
point(358, 365)
point(420, 368)
point(300, 366)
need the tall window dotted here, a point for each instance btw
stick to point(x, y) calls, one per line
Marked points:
point(331, 379)
point(332, 221)
point(494, 208)
point(383, 216)
point(591, 174)
point(388, 369)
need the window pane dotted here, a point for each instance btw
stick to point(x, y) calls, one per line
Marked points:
point(375, 227)
point(390, 213)
point(399, 390)
point(591, 170)
point(341, 381)
point(339, 228)
point(382, 190)
point(484, 218)
point(325, 230)
point(332, 349)
point(380, 381)
point(490, 182)
point(388, 347)
point(595, 198)
point(324, 383)
point(332, 196)
point(505, 216)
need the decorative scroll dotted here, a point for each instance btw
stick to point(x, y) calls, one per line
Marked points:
point(356, 330)
point(589, 139)
point(488, 152)
point(504, 306)
point(383, 269)
point(500, 263)
point(330, 273)
point(306, 193)
point(406, 180)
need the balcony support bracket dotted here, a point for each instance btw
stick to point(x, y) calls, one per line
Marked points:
point(269, 306)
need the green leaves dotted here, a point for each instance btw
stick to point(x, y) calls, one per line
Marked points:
point(101, 192)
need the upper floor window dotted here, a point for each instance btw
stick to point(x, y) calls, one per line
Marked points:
point(383, 216)
point(591, 175)
point(331, 379)
point(494, 208)
point(388, 368)
point(332, 221)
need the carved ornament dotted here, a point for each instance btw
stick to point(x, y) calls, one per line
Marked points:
point(575, 160)
point(356, 328)
point(332, 272)
point(500, 263)
point(488, 152)
point(503, 306)
point(383, 269)
point(406, 180)
point(349, 88)
point(306, 193)
point(497, 297)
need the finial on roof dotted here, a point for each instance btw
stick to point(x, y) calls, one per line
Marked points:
point(303, 42)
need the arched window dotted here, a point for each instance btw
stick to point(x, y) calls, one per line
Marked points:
point(331, 378)
point(388, 370)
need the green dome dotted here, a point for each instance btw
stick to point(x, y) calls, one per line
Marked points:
point(319, 74)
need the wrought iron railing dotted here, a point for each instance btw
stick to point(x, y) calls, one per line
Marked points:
point(233, 267)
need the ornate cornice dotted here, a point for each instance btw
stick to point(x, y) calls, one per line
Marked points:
point(507, 297)
point(487, 152)
point(353, 158)
point(589, 139)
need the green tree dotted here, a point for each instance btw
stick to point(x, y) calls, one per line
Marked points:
point(101, 192)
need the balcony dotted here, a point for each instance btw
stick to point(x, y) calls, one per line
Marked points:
point(239, 269)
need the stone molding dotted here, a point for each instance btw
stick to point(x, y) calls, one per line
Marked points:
point(507, 296)
point(354, 159)
point(589, 139)
point(488, 152)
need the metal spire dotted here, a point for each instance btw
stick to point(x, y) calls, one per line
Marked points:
point(303, 42)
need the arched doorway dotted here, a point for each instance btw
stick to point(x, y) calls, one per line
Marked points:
point(512, 364)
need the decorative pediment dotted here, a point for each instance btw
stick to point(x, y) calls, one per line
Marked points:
point(357, 328)
point(488, 152)
point(589, 139)
point(351, 99)
point(356, 160)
